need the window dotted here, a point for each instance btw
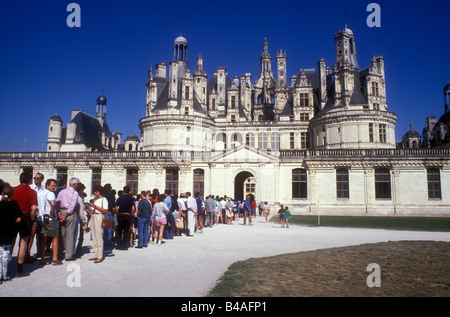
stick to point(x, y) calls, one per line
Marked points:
point(199, 182)
point(375, 90)
point(188, 141)
point(434, 183)
point(275, 141)
point(304, 100)
point(304, 140)
point(96, 178)
point(342, 187)
point(236, 140)
point(133, 180)
point(250, 186)
point(376, 106)
point(304, 116)
point(292, 140)
point(382, 183)
point(370, 132)
point(186, 111)
point(186, 93)
point(233, 118)
point(213, 104)
point(233, 102)
point(172, 180)
point(299, 183)
point(221, 141)
point(262, 141)
point(382, 132)
point(250, 140)
point(61, 175)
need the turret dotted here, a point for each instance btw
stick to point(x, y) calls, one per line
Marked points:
point(55, 128)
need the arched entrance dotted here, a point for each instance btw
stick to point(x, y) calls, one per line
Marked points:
point(244, 183)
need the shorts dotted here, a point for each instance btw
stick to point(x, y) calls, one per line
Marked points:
point(25, 225)
point(51, 229)
point(161, 221)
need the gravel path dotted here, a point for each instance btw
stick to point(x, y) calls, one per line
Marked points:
point(189, 266)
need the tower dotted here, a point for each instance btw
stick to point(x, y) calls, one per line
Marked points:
point(54, 133)
point(346, 48)
point(200, 82)
point(281, 69)
point(346, 66)
point(101, 109)
point(266, 60)
point(177, 69)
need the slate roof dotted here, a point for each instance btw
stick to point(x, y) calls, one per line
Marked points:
point(89, 130)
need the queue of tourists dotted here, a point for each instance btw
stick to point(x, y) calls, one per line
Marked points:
point(56, 216)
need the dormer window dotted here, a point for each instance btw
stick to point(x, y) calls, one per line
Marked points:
point(304, 100)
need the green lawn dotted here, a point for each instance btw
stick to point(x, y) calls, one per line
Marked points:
point(394, 223)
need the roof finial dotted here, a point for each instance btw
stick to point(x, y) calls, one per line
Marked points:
point(345, 18)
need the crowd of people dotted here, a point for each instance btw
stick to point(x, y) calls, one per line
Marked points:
point(56, 217)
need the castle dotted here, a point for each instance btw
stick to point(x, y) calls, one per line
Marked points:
point(320, 141)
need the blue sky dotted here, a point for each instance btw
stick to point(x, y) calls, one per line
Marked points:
point(47, 67)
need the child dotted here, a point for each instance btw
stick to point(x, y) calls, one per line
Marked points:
point(10, 217)
point(281, 215)
point(287, 215)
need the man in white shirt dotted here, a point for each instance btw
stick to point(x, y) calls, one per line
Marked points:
point(50, 222)
point(36, 229)
point(191, 213)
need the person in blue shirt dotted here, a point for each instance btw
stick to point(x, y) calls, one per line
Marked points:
point(168, 229)
point(200, 213)
point(248, 210)
point(236, 210)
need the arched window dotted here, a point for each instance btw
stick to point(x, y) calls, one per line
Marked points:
point(262, 141)
point(221, 141)
point(275, 141)
point(250, 140)
point(236, 140)
point(299, 183)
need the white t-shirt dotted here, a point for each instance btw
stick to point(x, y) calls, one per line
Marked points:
point(102, 203)
point(159, 210)
point(191, 203)
point(181, 203)
point(44, 206)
